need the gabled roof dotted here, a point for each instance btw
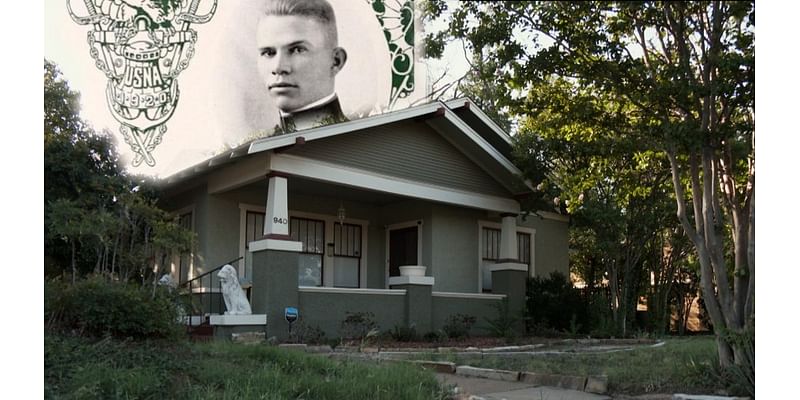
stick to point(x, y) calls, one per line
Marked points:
point(465, 126)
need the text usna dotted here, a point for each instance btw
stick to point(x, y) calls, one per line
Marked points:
point(142, 77)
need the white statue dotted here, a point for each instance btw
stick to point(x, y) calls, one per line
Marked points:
point(168, 281)
point(235, 300)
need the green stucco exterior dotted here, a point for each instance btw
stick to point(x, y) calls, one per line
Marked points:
point(551, 244)
point(450, 234)
point(327, 311)
point(405, 161)
point(446, 307)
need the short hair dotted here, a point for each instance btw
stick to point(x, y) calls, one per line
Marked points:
point(319, 9)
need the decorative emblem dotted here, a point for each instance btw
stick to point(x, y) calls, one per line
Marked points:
point(142, 46)
point(397, 19)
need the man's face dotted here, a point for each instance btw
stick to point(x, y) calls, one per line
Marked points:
point(297, 61)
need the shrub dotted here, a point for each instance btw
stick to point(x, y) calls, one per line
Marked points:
point(458, 325)
point(503, 324)
point(302, 333)
point(358, 325)
point(552, 302)
point(96, 307)
point(435, 336)
point(740, 378)
point(402, 333)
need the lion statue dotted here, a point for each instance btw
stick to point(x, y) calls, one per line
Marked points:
point(168, 281)
point(235, 300)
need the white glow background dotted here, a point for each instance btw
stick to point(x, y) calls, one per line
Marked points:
point(222, 99)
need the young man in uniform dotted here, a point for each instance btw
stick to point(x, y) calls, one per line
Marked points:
point(299, 58)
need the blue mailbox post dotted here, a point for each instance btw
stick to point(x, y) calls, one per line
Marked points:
point(291, 315)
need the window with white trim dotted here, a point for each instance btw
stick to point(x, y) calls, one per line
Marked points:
point(331, 255)
point(490, 254)
point(311, 233)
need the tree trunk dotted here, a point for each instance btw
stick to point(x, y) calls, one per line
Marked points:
point(74, 266)
point(614, 292)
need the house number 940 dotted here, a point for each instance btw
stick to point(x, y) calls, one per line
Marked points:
point(282, 221)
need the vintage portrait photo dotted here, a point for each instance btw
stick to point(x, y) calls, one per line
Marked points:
point(230, 72)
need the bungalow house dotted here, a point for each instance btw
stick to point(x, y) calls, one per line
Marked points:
point(323, 219)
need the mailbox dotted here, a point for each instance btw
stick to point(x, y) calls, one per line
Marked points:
point(290, 314)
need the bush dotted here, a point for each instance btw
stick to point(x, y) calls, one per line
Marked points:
point(503, 324)
point(403, 333)
point(358, 325)
point(302, 333)
point(740, 378)
point(458, 325)
point(435, 336)
point(552, 302)
point(96, 307)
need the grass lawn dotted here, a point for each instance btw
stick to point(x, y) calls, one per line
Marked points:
point(79, 369)
point(680, 365)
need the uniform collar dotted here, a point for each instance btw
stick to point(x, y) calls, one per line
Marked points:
point(325, 100)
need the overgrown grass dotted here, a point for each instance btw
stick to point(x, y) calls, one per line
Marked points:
point(110, 369)
point(243, 372)
point(680, 365)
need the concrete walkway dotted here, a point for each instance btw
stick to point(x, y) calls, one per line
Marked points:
point(490, 389)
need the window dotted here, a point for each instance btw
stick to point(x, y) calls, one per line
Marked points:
point(331, 253)
point(491, 253)
point(490, 245)
point(524, 248)
point(346, 255)
point(311, 233)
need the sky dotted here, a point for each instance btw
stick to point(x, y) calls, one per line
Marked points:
point(26, 41)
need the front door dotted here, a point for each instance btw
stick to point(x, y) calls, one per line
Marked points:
point(403, 248)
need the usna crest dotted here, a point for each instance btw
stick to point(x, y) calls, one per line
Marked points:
point(142, 46)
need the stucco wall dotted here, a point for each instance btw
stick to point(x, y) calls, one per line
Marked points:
point(449, 234)
point(327, 310)
point(222, 243)
point(552, 244)
point(445, 307)
point(455, 241)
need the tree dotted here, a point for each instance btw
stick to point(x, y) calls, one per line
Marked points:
point(615, 187)
point(686, 72)
point(97, 218)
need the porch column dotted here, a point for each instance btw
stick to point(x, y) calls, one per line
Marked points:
point(276, 221)
point(509, 276)
point(508, 238)
point(275, 261)
point(418, 302)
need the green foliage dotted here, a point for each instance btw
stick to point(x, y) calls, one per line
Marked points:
point(741, 376)
point(308, 334)
point(458, 325)
point(109, 369)
point(357, 325)
point(97, 218)
point(631, 109)
point(402, 333)
point(77, 367)
point(96, 307)
point(552, 302)
point(504, 323)
point(435, 336)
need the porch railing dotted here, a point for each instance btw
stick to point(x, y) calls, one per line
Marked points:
point(200, 291)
